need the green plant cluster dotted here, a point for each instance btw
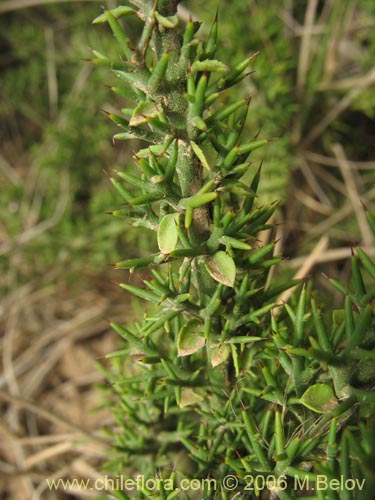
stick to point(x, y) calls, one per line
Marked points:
point(219, 378)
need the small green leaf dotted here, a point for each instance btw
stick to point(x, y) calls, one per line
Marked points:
point(200, 155)
point(319, 398)
point(116, 13)
point(119, 33)
point(222, 268)
point(243, 340)
point(167, 233)
point(140, 344)
point(142, 113)
point(367, 263)
point(199, 123)
point(197, 200)
point(260, 253)
point(141, 293)
point(234, 243)
point(158, 72)
point(371, 220)
point(219, 354)
point(168, 22)
point(140, 262)
point(190, 339)
point(211, 65)
point(146, 199)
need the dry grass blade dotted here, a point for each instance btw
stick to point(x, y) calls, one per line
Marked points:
point(333, 255)
point(48, 454)
point(30, 406)
point(306, 264)
point(312, 203)
point(305, 48)
point(332, 162)
point(338, 216)
point(336, 110)
point(353, 194)
point(314, 184)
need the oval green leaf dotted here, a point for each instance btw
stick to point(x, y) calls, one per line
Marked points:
point(222, 268)
point(189, 397)
point(167, 233)
point(219, 354)
point(319, 398)
point(190, 339)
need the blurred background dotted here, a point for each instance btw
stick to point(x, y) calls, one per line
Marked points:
point(313, 89)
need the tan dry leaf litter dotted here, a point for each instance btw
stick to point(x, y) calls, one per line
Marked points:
point(51, 338)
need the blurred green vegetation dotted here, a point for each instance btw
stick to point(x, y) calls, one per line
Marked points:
point(55, 145)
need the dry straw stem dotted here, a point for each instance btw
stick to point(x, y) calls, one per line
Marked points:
point(47, 454)
point(311, 202)
point(298, 29)
point(314, 184)
point(338, 108)
point(338, 216)
point(306, 264)
point(51, 417)
point(333, 255)
point(305, 48)
point(353, 194)
point(62, 437)
point(332, 162)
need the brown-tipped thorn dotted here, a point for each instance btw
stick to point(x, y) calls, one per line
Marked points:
point(364, 206)
point(256, 54)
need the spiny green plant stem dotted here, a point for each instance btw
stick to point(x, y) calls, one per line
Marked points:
point(211, 383)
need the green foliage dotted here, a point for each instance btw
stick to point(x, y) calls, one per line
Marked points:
point(218, 378)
